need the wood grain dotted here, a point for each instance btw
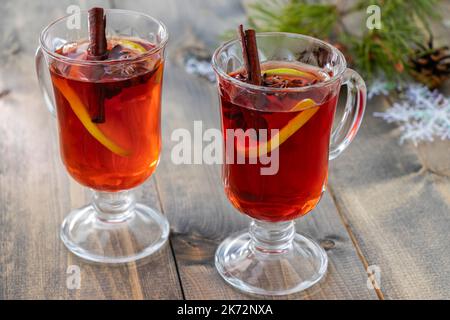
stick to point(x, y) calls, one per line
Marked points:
point(388, 204)
point(397, 209)
point(36, 192)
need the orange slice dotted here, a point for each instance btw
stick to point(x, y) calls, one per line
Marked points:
point(82, 114)
point(304, 104)
point(308, 108)
point(288, 72)
point(132, 45)
point(140, 49)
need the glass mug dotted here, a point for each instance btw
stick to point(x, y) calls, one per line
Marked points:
point(271, 258)
point(109, 121)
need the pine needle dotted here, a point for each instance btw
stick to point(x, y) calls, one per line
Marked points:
point(375, 53)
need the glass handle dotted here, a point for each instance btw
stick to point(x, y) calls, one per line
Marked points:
point(351, 120)
point(44, 80)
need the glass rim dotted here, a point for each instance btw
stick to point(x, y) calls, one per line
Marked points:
point(140, 57)
point(220, 72)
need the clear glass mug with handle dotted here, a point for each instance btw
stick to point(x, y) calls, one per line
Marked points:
point(297, 125)
point(108, 115)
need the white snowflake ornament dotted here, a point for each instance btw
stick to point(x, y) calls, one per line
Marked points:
point(422, 114)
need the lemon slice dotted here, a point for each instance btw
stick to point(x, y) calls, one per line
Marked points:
point(132, 45)
point(81, 112)
point(308, 108)
point(288, 72)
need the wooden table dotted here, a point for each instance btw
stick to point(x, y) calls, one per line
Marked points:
point(388, 205)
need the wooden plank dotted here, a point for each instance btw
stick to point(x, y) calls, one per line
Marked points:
point(192, 195)
point(397, 210)
point(36, 193)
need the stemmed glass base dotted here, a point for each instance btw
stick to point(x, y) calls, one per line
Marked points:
point(271, 259)
point(114, 229)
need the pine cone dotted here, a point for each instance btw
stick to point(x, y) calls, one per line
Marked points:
point(431, 66)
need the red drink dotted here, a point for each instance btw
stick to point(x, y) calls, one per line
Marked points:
point(304, 137)
point(107, 97)
point(277, 169)
point(109, 115)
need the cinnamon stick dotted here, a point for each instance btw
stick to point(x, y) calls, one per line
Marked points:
point(98, 48)
point(97, 51)
point(250, 55)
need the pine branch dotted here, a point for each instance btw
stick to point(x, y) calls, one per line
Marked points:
point(375, 52)
point(294, 16)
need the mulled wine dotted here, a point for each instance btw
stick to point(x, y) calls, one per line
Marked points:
point(304, 128)
point(109, 114)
